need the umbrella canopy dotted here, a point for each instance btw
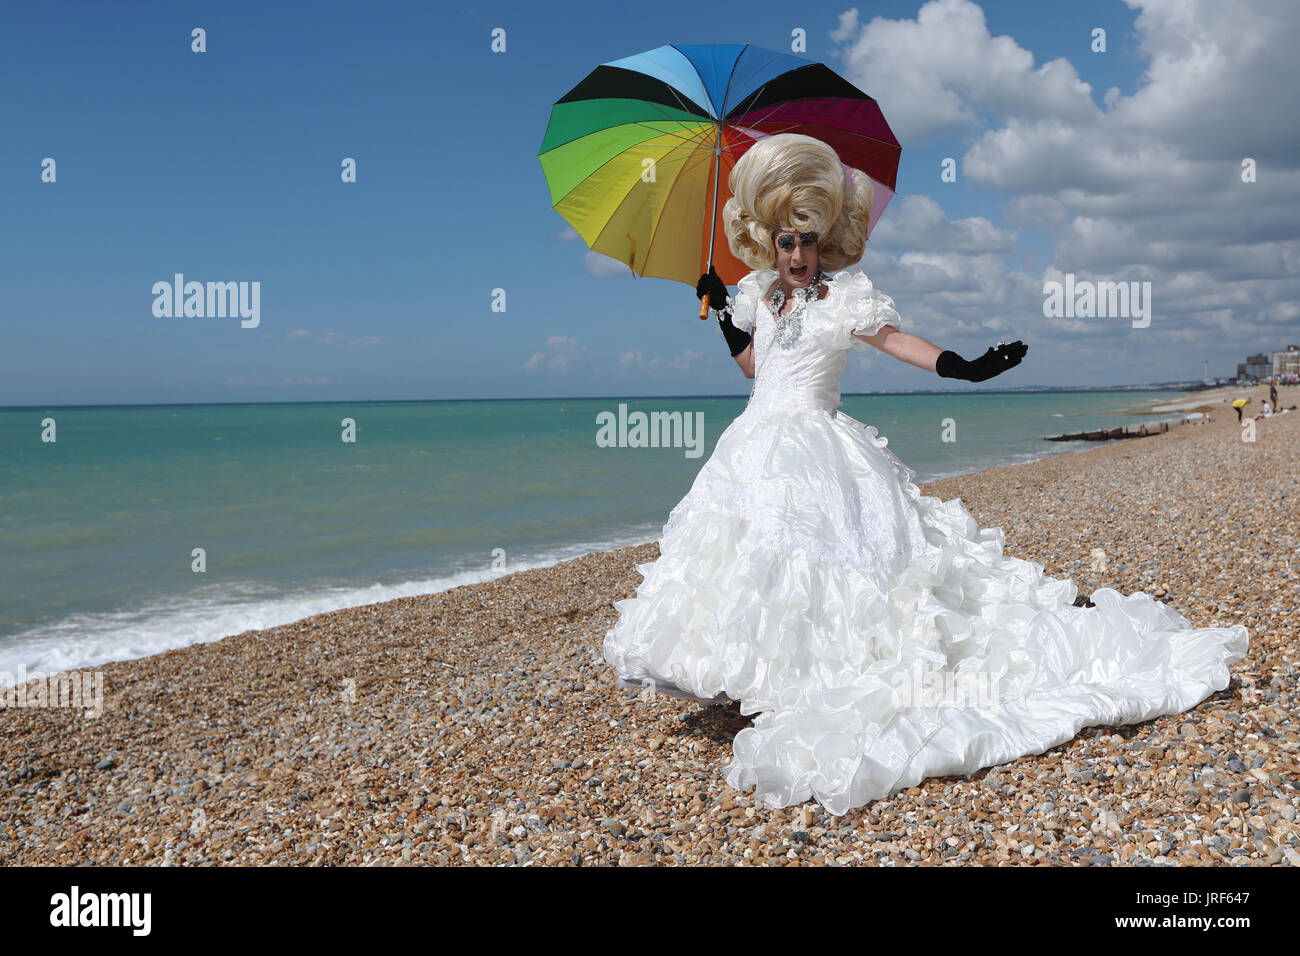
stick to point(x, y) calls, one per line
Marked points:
point(637, 155)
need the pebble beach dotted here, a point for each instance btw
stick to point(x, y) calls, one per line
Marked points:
point(481, 725)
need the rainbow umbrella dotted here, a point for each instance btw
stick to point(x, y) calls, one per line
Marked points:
point(637, 155)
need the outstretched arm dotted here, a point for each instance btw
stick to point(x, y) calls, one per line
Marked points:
point(905, 347)
point(926, 355)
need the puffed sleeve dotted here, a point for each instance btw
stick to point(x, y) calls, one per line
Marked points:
point(854, 305)
point(749, 290)
point(742, 311)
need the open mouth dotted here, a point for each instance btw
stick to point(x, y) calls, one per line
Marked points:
point(800, 271)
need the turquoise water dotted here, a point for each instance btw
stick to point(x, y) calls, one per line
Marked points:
point(98, 529)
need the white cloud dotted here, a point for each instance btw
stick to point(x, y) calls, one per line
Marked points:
point(602, 265)
point(940, 72)
point(1221, 81)
point(262, 383)
point(562, 355)
point(1045, 211)
point(1147, 187)
point(848, 26)
point(689, 361)
point(336, 339)
point(684, 363)
point(920, 221)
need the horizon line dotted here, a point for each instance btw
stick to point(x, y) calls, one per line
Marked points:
point(1160, 386)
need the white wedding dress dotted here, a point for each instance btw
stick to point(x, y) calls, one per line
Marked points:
point(879, 634)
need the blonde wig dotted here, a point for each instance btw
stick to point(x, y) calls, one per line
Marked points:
point(794, 182)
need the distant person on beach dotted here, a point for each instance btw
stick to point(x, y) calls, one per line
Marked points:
point(1272, 394)
point(879, 634)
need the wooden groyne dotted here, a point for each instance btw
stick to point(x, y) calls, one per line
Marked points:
point(1124, 431)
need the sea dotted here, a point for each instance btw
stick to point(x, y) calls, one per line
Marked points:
point(129, 530)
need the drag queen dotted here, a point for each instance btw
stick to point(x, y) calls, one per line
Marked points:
point(879, 634)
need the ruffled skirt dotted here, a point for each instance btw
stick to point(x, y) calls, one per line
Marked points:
point(879, 634)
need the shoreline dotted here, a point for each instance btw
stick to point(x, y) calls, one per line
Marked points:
point(481, 725)
point(1213, 399)
point(157, 624)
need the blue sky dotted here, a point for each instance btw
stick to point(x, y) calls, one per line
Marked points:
point(225, 166)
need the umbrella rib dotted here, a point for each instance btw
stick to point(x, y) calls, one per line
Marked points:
point(654, 233)
point(797, 124)
point(683, 137)
point(620, 153)
point(676, 93)
point(602, 166)
point(659, 107)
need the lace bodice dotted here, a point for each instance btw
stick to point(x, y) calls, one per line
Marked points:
point(799, 363)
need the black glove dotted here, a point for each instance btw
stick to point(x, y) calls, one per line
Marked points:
point(712, 284)
point(993, 362)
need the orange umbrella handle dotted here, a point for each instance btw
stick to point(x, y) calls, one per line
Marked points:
point(704, 306)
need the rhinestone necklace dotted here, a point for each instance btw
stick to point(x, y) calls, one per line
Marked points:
point(789, 327)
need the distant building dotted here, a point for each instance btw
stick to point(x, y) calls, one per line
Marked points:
point(1281, 367)
point(1286, 363)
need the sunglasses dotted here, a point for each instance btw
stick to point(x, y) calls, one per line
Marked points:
point(806, 239)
